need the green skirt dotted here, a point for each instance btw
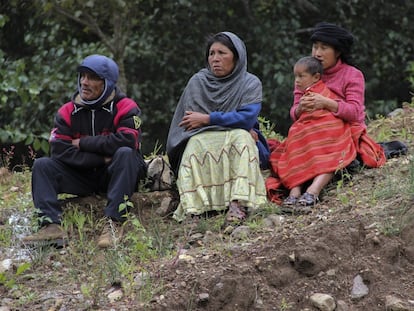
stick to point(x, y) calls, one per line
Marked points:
point(216, 168)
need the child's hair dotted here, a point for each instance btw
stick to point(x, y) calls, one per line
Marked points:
point(312, 64)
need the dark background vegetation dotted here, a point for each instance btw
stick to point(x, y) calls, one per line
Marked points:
point(159, 44)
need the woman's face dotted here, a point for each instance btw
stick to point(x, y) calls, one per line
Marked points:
point(220, 59)
point(325, 53)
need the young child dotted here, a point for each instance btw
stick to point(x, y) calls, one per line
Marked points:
point(308, 73)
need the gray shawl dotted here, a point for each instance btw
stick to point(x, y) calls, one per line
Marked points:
point(207, 93)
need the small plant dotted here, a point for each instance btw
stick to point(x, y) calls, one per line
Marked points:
point(268, 129)
point(125, 206)
point(344, 197)
point(162, 236)
point(139, 241)
point(32, 153)
point(155, 152)
point(345, 178)
point(7, 157)
point(284, 305)
point(75, 218)
point(10, 281)
point(118, 266)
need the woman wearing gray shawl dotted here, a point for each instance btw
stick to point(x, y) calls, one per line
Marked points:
point(213, 143)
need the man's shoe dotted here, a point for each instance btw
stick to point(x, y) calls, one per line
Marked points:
point(111, 234)
point(49, 234)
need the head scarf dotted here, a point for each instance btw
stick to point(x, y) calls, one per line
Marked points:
point(106, 69)
point(207, 93)
point(340, 38)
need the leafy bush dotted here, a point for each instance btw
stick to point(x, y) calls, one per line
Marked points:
point(160, 44)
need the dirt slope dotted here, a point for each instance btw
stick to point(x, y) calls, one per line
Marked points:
point(363, 228)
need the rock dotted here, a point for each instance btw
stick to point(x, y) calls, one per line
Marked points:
point(393, 303)
point(396, 112)
point(209, 237)
point(241, 232)
point(359, 289)
point(186, 258)
point(228, 230)
point(323, 302)
point(57, 305)
point(168, 205)
point(203, 297)
point(341, 306)
point(5, 265)
point(274, 220)
point(268, 223)
point(115, 295)
point(141, 279)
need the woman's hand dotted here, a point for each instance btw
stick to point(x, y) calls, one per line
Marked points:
point(255, 136)
point(193, 120)
point(313, 101)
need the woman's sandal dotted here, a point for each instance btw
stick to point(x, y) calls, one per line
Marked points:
point(288, 204)
point(290, 201)
point(308, 199)
point(236, 213)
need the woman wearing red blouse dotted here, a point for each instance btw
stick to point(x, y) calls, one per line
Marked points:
point(315, 160)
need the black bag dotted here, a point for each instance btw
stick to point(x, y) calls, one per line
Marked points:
point(394, 148)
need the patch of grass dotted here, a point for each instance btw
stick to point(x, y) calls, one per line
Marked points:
point(6, 238)
point(411, 177)
point(27, 297)
point(390, 227)
point(267, 209)
point(285, 305)
point(15, 191)
point(396, 184)
point(255, 223)
point(390, 186)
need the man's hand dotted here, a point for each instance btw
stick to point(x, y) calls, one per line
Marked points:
point(75, 142)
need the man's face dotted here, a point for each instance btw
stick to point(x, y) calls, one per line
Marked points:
point(92, 86)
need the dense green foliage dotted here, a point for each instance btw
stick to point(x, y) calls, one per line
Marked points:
point(160, 44)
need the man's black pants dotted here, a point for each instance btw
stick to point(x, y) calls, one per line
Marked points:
point(117, 179)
